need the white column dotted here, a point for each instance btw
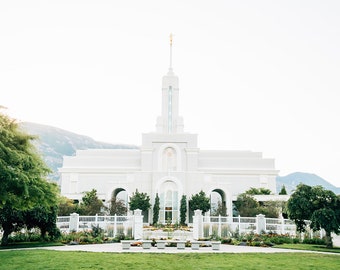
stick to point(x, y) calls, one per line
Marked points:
point(74, 222)
point(260, 223)
point(198, 225)
point(138, 224)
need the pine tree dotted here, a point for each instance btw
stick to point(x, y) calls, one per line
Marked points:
point(183, 210)
point(156, 210)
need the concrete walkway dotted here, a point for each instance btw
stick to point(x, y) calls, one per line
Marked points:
point(117, 247)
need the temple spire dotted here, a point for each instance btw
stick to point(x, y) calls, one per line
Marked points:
point(170, 122)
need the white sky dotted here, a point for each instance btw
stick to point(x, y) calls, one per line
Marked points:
point(254, 75)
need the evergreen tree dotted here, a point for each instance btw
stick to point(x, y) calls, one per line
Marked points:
point(91, 204)
point(156, 210)
point(139, 200)
point(183, 210)
point(199, 201)
point(283, 190)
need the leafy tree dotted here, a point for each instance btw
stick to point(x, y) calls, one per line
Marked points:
point(318, 205)
point(90, 204)
point(270, 209)
point(23, 177)
point(258, 191)
point(43, 218)
point(156, 210)
point(199, 201)
point(66, 206)
point(299, 206)
point(283, 190)
point(246, 205)
point(220, 210)
point(139, 201)
point(183, 210)
point(117, 207)
point(11, 220)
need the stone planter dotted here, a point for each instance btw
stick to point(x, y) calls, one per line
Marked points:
point(126, 244)
point(195, 245)
point(216, 245)
point(161, 244)
point(146, 244)
point(181, 244)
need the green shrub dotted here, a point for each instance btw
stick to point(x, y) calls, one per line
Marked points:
point(314, 241)
point(226, 241)
point(24, 237)
point(97, 231)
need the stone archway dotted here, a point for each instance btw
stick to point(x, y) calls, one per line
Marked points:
point(120, 197)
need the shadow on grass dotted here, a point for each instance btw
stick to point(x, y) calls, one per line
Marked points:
point(30, 245)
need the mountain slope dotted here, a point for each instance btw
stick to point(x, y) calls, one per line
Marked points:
point(292, 180)
point(54, 143)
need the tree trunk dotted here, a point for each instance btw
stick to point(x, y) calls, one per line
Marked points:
point(4, 240)
point(328, 239)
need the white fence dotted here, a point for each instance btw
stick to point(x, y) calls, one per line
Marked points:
point(203, 226)
point(112, 225)
point(225, 226)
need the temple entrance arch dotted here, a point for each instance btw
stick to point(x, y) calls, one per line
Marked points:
point(218, 203)
point(169, 202)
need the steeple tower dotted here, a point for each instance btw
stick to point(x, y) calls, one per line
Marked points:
point(170, 122)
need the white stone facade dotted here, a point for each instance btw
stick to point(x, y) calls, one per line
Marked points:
point(169, 163)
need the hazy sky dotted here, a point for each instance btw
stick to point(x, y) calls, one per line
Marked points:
point(254, 75)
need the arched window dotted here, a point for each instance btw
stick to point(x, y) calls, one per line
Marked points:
point(168, 202)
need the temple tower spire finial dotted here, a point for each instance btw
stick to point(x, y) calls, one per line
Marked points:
point(171, 37)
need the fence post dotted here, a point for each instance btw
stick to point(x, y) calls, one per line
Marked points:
point(219, 226)
point(207, 220)
point(260, 223)
point(239, 223)
point(74, 222)
point(282, 225)
point(138, 224)
point(115, 225)
point(198, 224)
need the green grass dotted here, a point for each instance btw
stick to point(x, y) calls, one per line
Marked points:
point(309, 247)
point(46, 259)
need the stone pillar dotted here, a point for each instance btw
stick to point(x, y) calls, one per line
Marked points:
point(198, 225)
point(74, 222)
point(260, 223)
point(138, 225)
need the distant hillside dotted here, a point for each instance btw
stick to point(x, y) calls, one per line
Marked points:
point(54, 143)
point(292, 180)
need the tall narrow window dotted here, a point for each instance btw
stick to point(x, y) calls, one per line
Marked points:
point(169, 159)
point(170, 110)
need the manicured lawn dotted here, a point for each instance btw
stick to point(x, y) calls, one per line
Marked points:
point(45, 259)
point(309, 247)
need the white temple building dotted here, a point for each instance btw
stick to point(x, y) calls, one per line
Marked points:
point(169, 162)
